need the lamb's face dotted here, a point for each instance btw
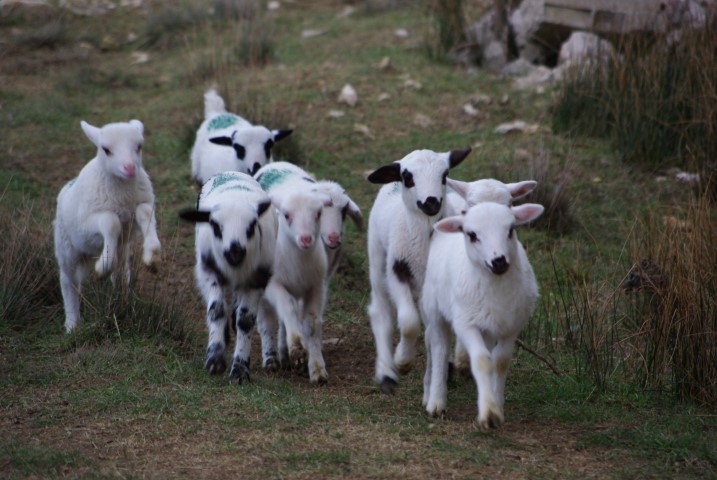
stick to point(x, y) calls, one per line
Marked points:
point(252, 145)
point(119, 147)
point(301, 216)
point(422, 174)
point(489, 232)
point(234, 226)
point(333, 218)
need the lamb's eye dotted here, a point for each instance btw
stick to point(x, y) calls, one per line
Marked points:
point(216, 228)
point(510, 232)
point(251, 229)
point(139, 148)
point(287, 216)
point(240, 151)
point(472, 237)
point(107, 151)
point(445, 176)
point(408, 179)
point(318, 215)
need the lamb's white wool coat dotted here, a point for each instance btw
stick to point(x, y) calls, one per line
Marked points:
point(479, 282)
point(399, 232)
point(296, 294)
point(227, 142)
point(101, 211)
point(235, 247)
point(461, 196)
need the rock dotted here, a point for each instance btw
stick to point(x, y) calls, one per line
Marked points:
point(385, 63)
point(384, 97)
point(422, 120)
point(273, 6)
point(401, 33)
point(336, 113)
point(348, 96)
point(518, 68)
point(495, 56)
point(311, 33)
point(540, 77)
point(584, 49)
point(363, 129)
point(517, 126)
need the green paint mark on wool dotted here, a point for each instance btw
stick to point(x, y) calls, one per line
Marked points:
point(229, 181)
point(396, 188)
point(273, 177)
point(222, 121)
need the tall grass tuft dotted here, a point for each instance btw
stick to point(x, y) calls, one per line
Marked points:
point(673, 284)
point(29, 291)
point(656, 100)
point(446, 28)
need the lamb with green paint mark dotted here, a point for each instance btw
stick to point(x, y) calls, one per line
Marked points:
point(296, 294)
point(227, 142)
point(101, 211)
point(235, 243)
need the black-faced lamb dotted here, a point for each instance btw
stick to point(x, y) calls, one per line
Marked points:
point(399, 232)
point(235, 245)
point(227, 142)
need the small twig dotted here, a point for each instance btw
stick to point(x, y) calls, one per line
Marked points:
point(539, 357)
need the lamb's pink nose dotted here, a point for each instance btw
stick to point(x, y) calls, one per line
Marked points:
point(129, 170)
point(334, 240)
point(305, 241)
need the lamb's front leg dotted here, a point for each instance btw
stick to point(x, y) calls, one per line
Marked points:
point(216, 319)
point(490, 414)
point(110, 227)
point(502, 356)
point(409, 320)
point(285, 306)
point(312, 330)
point(144, 216)
point(247, 305)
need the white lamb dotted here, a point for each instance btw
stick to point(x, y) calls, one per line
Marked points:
point(481, 283)
point(399, 232)
point(297, 291)
point(227, 142)
point(101, 211)
point(235, 246)
point(461, 196)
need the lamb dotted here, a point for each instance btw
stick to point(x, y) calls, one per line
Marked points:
point(296, 292)
point(461, 196)
point(482, 285)
point(250, 145)
point(235, 246)
point(101, 211)
point(399, 232)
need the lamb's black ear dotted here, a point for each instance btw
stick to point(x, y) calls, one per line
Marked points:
point(281, 134)
point(194, 216)
point(386, 174)
point(226, 141)
point(261, 208)
point(457, 156)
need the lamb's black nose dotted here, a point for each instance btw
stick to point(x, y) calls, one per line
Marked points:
point(235, 255)
point(499, 265)
point(431, 206)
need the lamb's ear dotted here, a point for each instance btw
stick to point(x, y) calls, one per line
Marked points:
point(92, 132)
point(225, 141)
point(386, 174)
point(261, 208)
point(281, 134)
point(138, 125)
point(461, 188)
point(457, 156)
point(449, 225)
point(194, 216)
point(325, 200)
point(527, 212)
point(355, 213)
point(521, 189)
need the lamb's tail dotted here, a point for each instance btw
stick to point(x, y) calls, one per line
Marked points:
point(213, 103)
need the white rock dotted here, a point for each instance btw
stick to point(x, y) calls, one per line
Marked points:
point(311, 33)
point(363, 129)
point(336, 113)
point(517, 126)
point(422, 120)
point(470, 110)
point(140, 57)
point(273, 6)
point(384, 97)
point(348, 96)
point(413, 84)
point(401, 32)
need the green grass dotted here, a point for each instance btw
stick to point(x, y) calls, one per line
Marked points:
point(127, 395)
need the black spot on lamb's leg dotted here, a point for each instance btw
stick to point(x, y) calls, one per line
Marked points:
point(246, 320)
point(388, 385)
point(402, 270)
point(240, 370)
point(271, 362)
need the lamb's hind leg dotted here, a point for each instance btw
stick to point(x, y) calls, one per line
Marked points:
point(245, 314)
point(217, 324)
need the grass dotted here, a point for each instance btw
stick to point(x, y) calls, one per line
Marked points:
point(127, 394)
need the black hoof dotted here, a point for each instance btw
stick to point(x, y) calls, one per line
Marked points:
point(216, 363)
point(240, 372)
point(271, 364)
point(388, 385)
